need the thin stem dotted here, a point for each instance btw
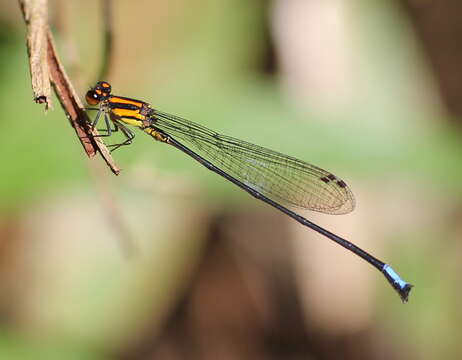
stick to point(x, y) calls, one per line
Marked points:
point(35, 14)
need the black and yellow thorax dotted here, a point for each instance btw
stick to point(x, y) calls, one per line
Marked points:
point(130, 111)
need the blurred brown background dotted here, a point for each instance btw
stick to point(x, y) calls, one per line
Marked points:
point(169, 261)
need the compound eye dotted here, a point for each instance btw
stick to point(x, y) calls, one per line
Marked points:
point(92, 97)
point(105, 87)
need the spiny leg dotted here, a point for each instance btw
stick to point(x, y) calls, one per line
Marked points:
point(128, 134)
point(108, 128)
point(97, 117)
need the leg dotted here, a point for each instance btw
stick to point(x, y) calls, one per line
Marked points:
point(98, 115)
point(128, 134)
point(108, 126)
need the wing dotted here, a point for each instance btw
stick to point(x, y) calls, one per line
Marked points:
point(278, 176)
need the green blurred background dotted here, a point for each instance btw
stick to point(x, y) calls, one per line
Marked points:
point(169, 261)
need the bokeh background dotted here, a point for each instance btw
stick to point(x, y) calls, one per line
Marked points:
point(169, 261)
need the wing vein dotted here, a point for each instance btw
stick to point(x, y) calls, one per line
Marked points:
point(278, 176)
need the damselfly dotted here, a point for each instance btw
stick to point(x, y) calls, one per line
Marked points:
point(265, 174)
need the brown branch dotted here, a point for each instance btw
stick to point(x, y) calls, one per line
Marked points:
point(53, 73)
point(35, 14)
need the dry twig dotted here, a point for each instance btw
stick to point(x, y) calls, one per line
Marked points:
point(35, 15)
point(46, 69)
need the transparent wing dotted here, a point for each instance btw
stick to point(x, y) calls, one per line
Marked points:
point(278, 176)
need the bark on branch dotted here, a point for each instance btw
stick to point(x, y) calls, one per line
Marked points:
point(46, 70)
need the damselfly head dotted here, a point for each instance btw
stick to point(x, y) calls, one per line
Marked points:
point(99, 92)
